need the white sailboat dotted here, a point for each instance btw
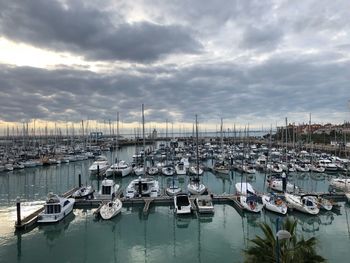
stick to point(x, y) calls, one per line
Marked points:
point(195, 186)
point(275, 203)
point(248, 198)
point(83, 192)
point(303, 203)
point(111, 208)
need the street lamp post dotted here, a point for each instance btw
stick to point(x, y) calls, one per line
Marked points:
point(280, 235)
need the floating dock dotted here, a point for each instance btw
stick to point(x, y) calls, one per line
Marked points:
point(30, 221)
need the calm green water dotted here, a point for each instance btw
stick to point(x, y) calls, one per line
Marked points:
point(158, 237)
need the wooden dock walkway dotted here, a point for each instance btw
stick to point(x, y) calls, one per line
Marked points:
point(30, 220)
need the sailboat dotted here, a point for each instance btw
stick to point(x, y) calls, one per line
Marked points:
point(195, 186)
point(248, 198)
point(143, 186)
point(111, 208)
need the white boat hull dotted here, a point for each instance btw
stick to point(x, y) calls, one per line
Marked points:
point(111, 209)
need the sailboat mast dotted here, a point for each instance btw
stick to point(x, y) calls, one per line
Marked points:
point(144, 141)
point(197, 147)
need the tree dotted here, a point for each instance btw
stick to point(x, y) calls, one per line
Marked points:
point(295, 249)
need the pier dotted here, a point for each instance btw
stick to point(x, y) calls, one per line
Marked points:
point(30, 221)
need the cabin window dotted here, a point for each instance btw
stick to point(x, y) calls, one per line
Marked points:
point(66, 203)
point(53, 209)
point(106, 190)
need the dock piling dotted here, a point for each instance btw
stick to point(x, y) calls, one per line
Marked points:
point(18, 204)
point(79, 180)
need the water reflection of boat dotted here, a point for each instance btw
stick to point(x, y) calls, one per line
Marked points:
point(326, 218)
point(309, 224)
point(183, 221)
point(53, 231)
point(205, 218)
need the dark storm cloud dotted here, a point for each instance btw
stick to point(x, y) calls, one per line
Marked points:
point(274, 88)
point(91, 32)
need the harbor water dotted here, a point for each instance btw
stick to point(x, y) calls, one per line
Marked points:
point(159, 236)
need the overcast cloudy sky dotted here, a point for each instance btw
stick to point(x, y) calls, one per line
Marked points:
point(251, 62)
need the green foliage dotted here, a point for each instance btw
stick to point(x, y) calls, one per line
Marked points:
point(296, 249)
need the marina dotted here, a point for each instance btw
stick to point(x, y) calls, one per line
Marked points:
point(65, 178)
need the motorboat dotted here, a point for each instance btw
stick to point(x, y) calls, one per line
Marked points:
point(140, 187)
point(108, 189)
point(55, 208)
point(328, 165)
point(182, 204)
point(111, 208)
point(180, 168)
point(121, 168)
point(83, 192)
point(303, 203)
point(100, 166)
point(247, 198)
point(195, 187)
point(204, 204)
point(275, 203)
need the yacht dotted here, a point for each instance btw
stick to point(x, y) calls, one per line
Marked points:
point(55, 208)
point(153, 170)
point(99, 166)
point(303, 203)
point(143, 187)
point(108, 189)
point(111, 208)
point(182, 204)
point(328, 165)
point(121, 168)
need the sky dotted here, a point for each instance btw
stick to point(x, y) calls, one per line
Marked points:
point(248, 62)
